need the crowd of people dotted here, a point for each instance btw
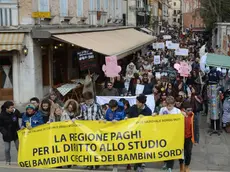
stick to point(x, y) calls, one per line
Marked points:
point(173, 94)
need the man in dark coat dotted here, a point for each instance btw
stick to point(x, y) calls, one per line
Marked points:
point(8, 127)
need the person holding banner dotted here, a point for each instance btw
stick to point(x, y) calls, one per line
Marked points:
point(140, 109)
point(31, 118)
point(90, 111)
point(169, 109)
point(8, 127)
point(116, 112)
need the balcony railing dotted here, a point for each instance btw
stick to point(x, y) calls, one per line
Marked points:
point(97, 18)
point(8, 14)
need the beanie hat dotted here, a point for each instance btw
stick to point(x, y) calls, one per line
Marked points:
point(142, 98)
point(30, 106)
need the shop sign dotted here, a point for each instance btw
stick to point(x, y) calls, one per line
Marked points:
point(41, 15)
point(86, 60)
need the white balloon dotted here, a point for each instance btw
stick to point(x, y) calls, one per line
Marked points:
point(207, 69)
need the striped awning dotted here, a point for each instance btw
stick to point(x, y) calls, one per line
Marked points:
point(11, 41)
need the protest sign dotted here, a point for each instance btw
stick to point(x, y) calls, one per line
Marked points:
point(86, 60)
point(183, 68)
point(157, 60)
point(181, 52)
point(158, 45)
point(166, 37)
point(167, 43)
point(137, 140)
point(111, 69)
point(173, 46)
point(139, 89)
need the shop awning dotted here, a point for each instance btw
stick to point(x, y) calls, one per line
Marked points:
point(119, 43)
point(146, 30)
point(11, 41)
point(218, 60)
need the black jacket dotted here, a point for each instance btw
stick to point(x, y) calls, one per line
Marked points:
point(9, 125)
point(133, 111)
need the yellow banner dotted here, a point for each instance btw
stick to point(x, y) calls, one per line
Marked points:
point(137, 140)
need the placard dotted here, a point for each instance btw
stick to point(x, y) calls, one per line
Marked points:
point(167, 37)
point(173, 46)
point(111, 69)
point(139, 89)
point(181, 52)
point(157, 60)
point(86, 60)
point(167, 43)
point(158, 45)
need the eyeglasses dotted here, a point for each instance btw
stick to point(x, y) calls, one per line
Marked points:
point(109, 85)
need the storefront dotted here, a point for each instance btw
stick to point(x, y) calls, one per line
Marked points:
point(61, 69)
point(11, 45)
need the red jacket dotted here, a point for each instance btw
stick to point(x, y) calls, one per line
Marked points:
point(189, 125)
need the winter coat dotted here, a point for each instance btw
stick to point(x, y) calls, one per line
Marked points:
point(63, 117)
point(134, 111)
point(117, 115)
point(34, 120)
point(226, 111)
point(71, 114)
point(9, 125)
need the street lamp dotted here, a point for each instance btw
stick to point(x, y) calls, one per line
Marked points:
point(25, 50)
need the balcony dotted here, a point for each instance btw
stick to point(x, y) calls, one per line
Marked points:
point(8, 14)
point(97, 18)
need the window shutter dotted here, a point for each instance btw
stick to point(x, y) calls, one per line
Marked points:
point(63, 8)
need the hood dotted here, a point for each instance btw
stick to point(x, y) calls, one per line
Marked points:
point(70, 100)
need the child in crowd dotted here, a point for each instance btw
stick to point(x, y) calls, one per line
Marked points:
point(45, 109)
point(58, 115)
point(31, 118)
point(189, 136)
point(169, 109)
point(71, 108)
point(116, 112)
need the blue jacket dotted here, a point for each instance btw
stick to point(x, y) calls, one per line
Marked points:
point(34, 120)
point(118, 115)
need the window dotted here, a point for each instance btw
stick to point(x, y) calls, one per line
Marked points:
point(43, 6)
point(80, 8)
point(63, 8)
point(6, 1)
point(178, 20)
point(174, 3)
point(91, 5)
point(174, 12)
point(174, 19)
point(106, 5)
point(98, 5)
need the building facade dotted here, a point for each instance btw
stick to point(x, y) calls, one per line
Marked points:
point(191, 15)
point(35, 55)
point(175, 13)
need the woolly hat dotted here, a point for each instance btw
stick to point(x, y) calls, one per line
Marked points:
point(142, 98)
point(30, 106)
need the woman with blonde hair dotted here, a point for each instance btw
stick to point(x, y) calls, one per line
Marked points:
point(57, 114)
